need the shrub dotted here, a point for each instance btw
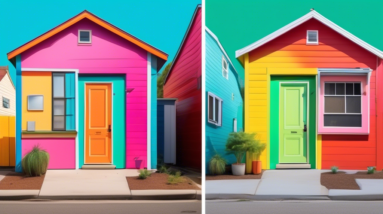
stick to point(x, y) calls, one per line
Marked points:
point(162, 169)
point(238, 143)
point(371, 169)
point(217, 165)
point(144, 173)
point(35, 163)
point(176, 178)
point(334, 169)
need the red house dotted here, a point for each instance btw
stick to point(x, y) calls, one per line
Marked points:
point(184, 83)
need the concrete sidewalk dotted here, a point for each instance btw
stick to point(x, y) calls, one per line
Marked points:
point(290, 185)
point(93, 184)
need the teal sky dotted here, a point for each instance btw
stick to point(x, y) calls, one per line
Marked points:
point(161, 23)
point(238, 23)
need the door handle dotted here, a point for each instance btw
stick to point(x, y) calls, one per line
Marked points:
point(305, 128)
point(293, 132)
point(109, 128)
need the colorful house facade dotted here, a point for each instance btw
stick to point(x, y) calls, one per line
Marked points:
point(224, 101)
point(313, 93)
point(86, 93)
point(184, 83)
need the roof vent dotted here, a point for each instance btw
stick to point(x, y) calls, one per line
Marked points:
point(312, 37)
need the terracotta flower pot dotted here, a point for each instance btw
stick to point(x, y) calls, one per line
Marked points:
point(238, 169)
point(257, 167)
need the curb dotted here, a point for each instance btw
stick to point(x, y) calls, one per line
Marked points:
point(266, 197)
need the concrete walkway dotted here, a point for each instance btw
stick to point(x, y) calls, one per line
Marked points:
point(93, 184)
point(290, 185)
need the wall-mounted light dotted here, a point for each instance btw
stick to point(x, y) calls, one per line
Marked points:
point(129, 90)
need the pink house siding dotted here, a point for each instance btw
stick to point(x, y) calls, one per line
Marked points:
point(62, 152)
point(108, 54)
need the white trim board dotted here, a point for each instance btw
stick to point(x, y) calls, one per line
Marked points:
point(148, 96)
point(308, 16)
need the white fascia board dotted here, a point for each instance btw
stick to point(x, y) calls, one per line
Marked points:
point(319, 17)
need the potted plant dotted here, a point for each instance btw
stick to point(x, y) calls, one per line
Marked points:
point(238, 144)
point(257, 164)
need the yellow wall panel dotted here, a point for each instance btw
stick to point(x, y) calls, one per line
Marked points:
point(257, 77)
point(257, 90)
point(319, 152)
point(255, 70)
point(292, 71)
point(37, 83)
point(258, 84)
point(4, 141)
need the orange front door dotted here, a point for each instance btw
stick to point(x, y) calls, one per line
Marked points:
point(98, 144)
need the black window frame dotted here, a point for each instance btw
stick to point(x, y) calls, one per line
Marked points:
point(345, 95)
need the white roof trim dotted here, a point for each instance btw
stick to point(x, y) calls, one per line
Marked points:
point(319, 17)
point(220, 46)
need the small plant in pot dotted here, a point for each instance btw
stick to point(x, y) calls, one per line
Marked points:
point(217, 165)
point(257, 151)
point(35, 163)
point(238, 144)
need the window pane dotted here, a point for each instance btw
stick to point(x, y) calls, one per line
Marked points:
point(59, 122)
point(35, 102)
point(329, 88)
point(349, 88)
point(5, 102)
point(357, 88)
point(84, 36)
point(339, 89)
point(211, 99)
point(58, 107)
point(312, 36)
point(343, 120)
point(334, 105)
point(58, 85)
point(353, 104)
point(216, 110)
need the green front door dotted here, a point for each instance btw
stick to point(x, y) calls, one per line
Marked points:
point(293, 123)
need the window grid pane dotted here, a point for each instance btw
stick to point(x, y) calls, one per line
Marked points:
point(58, 85)
point(211, 117)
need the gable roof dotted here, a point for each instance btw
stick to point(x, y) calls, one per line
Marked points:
point(311, 15)
point(87, 15)
point(183, 41)
point(4, 71)
point(224, 52)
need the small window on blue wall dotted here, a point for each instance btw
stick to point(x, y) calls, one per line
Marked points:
point(214, 109)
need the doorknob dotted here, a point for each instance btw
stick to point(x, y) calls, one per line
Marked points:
point(305, 128)
point(109, 128)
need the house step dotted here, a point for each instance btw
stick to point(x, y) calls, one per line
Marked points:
point(98, 166)
point(293, 166)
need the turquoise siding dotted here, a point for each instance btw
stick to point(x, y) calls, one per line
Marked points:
point(18, 167)
point(70, 101)
point(118, 117)
point(153, 113)
point(216, 136)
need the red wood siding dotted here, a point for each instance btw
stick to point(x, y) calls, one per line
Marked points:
point(183, 83)
point(333, 51)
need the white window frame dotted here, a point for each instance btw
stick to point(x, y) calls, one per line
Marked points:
point(215, 121)
point(225, 71)
point(307, 37)
point(345, 102)
point(90, 37)
point(34, 95)
point(9, 103)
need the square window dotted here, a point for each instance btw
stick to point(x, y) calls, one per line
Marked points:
point(84, 36)
point(329, 88)
point(339, 89)
point(6, 103)
point(214, 109)
point(58, 122)
point(58, 107)
point(334, 104)
point(312, 37)
point(35, 102)
point(353, 104)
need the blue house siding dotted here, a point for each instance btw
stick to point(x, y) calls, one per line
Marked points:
point(216, 136)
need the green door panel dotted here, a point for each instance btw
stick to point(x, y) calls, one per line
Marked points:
point(293, 118)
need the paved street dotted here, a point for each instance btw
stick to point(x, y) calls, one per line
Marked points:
point(294, 207)
point(100, 207)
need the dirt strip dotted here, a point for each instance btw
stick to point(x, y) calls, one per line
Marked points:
point(16, 181)
point(159, 181)
point(229, 177)
point(341, 180)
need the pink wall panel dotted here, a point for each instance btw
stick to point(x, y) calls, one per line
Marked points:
point(62, 152)
point(108, 54)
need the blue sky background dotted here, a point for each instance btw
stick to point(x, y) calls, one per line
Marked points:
point(159, 23)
